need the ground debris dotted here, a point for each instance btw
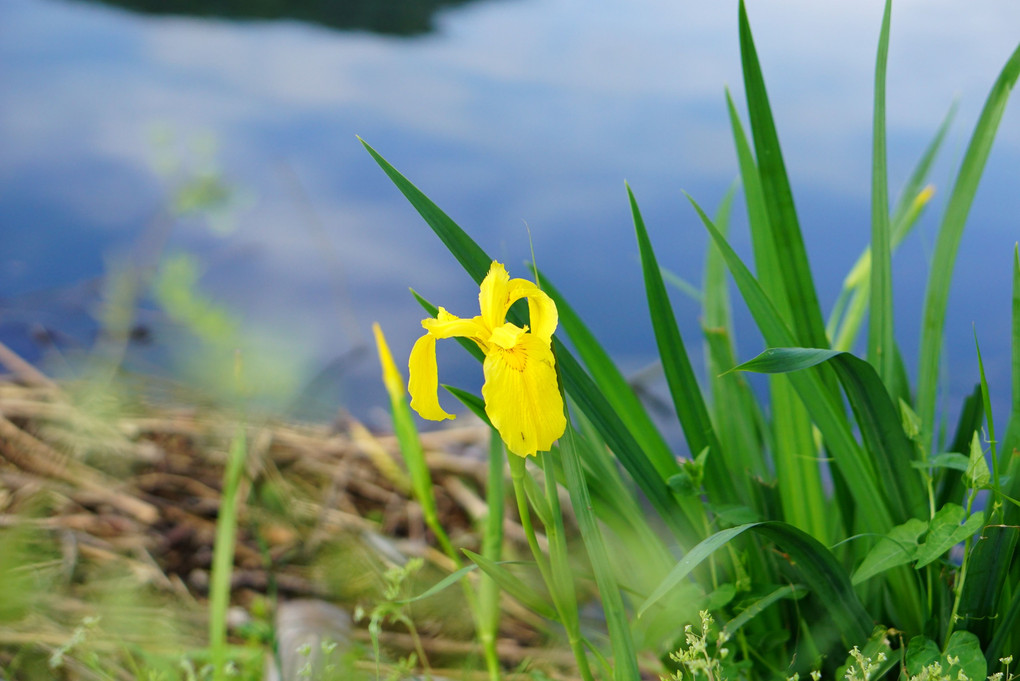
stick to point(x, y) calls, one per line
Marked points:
point(324, 510)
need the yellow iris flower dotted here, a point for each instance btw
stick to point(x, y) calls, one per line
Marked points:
point(522, 398)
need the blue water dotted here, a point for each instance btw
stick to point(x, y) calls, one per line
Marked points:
point(511, 114)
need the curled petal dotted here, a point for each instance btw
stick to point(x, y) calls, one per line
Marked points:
point(541, 307)
point(522, 397)
point(423, 383)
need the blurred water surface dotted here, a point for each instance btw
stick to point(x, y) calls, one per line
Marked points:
point(510, 114)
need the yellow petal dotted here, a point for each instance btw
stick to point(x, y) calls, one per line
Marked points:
point(522, 398)
point(423, 383)
point(391, 376)
point(446, 325)
point(541, 307)
point(493, 296)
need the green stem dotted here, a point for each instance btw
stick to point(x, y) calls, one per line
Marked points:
point(567, 612)
point(223, 555)
point(562, 585)
point(492, 548)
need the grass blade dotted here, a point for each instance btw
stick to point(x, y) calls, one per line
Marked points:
point(470, 255)
point(881, 340)
point(624, 654)
point(877, 419)
point(739, 422)
point(821, 571)
point(613, 385)
point(948, 241)
point(987, 568)
point(759, 606)
point(815, 395)
point(791, 428)
point(1010, 453)
point(513, 585)
point(806, 315)
point(683, 384)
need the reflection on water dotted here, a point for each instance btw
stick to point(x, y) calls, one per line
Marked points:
point(513, 115)
point(394, 17)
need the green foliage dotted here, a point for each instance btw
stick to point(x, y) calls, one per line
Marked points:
point(797, 522)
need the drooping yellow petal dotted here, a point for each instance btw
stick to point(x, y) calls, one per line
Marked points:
point(391, 376)
point(423, 382)
point(493, 296)
point(541, 307)
point(522, 397)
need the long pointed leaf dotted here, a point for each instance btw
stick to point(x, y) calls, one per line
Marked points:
point(821, 572)
point(948, 241)
point(858, 471)
point(881, 340)
point(683, 384)
point(987, 568)
point(892, 453)
point(791, 427)
point(1010, 454)
point(578, 384)
point(624, 654)
point(513, 584)
point(792, 256)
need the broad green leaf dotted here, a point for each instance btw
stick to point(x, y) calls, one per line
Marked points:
point(721, 597)
point(513, 584)
point(952, 460)
point(963, 654)
point(821, 571)
point(683, 383)
point(948, 240)
point(976, 474)
point(898, 547)
point(891, 451)
point(945, 532)
point(921, 652)
point(782, 360)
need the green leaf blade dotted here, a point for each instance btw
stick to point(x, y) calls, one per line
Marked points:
point(950, 234)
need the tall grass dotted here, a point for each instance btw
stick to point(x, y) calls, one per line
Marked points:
point(822, 518)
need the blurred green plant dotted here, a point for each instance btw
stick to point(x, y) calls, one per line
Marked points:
point(803, 517)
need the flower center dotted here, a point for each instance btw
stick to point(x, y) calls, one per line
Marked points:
point(505, 340)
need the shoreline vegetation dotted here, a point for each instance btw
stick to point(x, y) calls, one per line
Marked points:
point(842, 522)
point(114, 517)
